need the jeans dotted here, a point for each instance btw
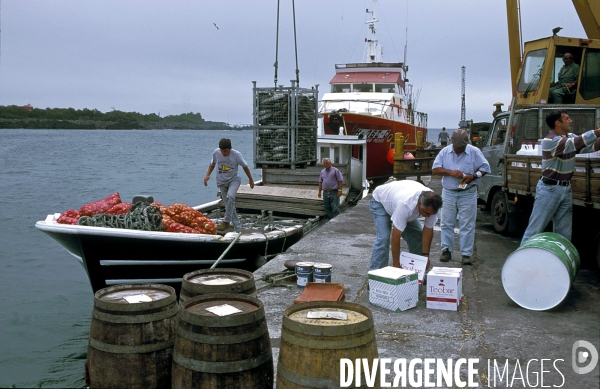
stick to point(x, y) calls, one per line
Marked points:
point(412, 234)
point(552, 202)
point(461, 204)
point(331, 202)
point(228, 192)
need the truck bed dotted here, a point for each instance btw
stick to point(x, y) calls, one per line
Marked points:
point(522, 173)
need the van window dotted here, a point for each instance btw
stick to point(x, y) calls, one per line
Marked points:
point(590, 75)
point(499, 133)
point(532, 69)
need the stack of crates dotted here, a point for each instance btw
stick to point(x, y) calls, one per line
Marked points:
point(285, 126)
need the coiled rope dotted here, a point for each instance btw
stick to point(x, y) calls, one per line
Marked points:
point(141, 216)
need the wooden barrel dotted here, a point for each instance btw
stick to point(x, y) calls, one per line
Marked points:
point(230, 351)
point(311, 349)
point(132, 336)
point(207, 281)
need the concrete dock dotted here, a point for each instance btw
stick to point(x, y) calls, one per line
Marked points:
point(515, 347)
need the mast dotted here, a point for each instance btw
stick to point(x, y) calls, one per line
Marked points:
point(374, 49)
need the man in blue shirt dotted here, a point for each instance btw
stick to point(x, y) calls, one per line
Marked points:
point(461, 166)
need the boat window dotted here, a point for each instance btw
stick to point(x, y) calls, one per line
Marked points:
point(590, 75)
point(324, 153)
point(363, 87)
point(385, 88)
point(532, 69)
point(340, 88)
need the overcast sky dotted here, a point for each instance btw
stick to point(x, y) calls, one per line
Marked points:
point(168, 57)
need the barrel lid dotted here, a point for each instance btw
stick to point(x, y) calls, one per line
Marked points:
point(323, 266)
point(305, 263)
point(130, 297)
point(217, 279)
point(200, 309)
point(353, 317)
point(535, 278)
point(194, 310)
point(130, 294)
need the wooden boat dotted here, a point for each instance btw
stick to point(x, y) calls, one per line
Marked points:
point(113, 256)
point(373, 100)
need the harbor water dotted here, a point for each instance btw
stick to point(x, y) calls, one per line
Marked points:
point(45, 297)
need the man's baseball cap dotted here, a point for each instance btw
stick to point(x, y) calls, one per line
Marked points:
point(460, 138)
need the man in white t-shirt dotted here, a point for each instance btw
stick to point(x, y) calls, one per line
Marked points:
point(396, 206)
point(227, 161)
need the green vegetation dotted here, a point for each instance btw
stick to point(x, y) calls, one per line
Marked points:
point(13, 116)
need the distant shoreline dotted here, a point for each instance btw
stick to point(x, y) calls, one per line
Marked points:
point(28, 117)
point(55, 124)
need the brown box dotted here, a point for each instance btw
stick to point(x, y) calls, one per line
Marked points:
point(321, 291)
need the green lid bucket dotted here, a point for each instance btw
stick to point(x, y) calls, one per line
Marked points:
point(539, 274)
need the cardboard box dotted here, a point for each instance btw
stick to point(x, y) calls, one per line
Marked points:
point(414, 262)
point(393, 288)
point(444, 288)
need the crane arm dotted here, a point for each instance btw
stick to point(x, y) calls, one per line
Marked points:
point(514, 40)
point(589, 14)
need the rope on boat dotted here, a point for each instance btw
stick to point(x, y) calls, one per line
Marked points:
point(226, 251)
point(141, 216)
point(273, 279)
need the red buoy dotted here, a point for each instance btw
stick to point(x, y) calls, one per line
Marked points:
point(390, 156)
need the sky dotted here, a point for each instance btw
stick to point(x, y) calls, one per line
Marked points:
point(177, 56)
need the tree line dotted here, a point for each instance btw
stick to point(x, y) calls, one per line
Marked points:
point(14, 116)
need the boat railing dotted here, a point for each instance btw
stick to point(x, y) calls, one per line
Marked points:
point(384, 109)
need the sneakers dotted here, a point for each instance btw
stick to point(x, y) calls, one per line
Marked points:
point(446, 256)
point(223, 226)
point(466, 260)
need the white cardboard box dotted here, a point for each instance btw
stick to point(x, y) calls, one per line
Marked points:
point(414, 262)
point(393, 288)
point(444, 288)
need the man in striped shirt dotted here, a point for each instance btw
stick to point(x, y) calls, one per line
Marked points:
point(553, 197)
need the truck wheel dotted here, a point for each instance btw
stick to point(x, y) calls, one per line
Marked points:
point(504, 222)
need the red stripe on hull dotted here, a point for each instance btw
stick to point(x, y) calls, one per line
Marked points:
point(377, 132)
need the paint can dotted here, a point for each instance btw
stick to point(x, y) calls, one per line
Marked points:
point(322, 272)
point(304, 273)
point(539, 274)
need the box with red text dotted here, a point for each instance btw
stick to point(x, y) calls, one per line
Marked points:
point(414, 262)
point(444, 288)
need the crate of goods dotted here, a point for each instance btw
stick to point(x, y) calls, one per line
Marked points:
point(444, 288)
point(393, 288)
point(285, 126)
point(414, 262)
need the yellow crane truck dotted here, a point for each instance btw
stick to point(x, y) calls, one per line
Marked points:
point(508, 192)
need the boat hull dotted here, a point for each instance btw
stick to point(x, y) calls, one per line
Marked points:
point(118, 256)
point(379, 133)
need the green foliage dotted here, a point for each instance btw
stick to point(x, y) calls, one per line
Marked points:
point(13, 116)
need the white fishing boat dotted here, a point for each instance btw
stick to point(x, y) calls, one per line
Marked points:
point(374, 101)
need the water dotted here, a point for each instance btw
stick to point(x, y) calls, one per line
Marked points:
point(46, 301)
point(432, 135)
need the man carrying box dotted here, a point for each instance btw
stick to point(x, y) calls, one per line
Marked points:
point(395, 207)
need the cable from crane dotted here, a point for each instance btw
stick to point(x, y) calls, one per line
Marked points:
point(276, 65)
